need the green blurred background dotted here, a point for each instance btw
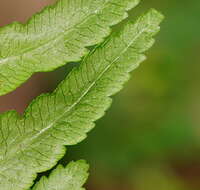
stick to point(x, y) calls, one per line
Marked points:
point(150, 138)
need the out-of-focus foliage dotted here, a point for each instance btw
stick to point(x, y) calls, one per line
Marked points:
point(156, 178)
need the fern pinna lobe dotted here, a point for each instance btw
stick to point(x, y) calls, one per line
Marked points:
point(35, 142)
point(57, 35)
point(72, 177)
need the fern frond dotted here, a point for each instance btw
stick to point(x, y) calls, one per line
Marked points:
point(72, 177)
point(57, 35)
point(35, 142)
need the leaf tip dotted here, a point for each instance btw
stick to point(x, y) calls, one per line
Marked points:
point(156, 16)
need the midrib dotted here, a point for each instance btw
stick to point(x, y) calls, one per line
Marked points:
point(87, 90)
point(28, 142)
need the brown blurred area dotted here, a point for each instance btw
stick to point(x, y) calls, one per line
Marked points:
point(20, 10)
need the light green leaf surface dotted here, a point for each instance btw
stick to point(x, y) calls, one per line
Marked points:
point(35, 142)
point(57, 35)
point(72, 177)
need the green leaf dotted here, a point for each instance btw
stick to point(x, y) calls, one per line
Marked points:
point(57, 35)
point(72, 177)
point(35, 142)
